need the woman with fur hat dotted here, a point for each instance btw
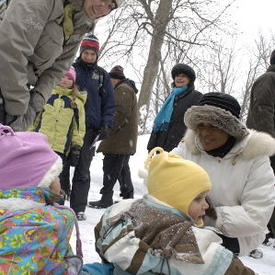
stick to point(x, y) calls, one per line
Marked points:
point(35, 232)
point(169, 128)
point(237, 161)
point(162, 232)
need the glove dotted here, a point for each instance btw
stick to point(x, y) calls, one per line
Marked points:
point(210, 217)
point(22, 122)
point(104, 132)
point(37, 101)
point(74, 155)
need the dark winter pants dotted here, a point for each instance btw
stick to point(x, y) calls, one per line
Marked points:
point(116, 167)
point(65, 175)
point(81, 178)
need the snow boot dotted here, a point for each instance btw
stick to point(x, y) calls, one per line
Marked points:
point(126, 196)
point(81, 216)
point(105, 201)
point(256, 254)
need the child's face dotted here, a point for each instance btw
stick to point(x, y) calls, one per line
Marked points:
point(89, 56)
point(197, 207)
point(66, 82)
point(55, 186)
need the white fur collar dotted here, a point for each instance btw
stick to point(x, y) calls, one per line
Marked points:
point(254, 145)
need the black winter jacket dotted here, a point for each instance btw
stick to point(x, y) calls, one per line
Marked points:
point(169, 139)
point(100, 104)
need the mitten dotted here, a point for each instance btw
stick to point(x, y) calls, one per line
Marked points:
point(74, 155)
point(104, 131)
point(210, 217)
point(37, 101)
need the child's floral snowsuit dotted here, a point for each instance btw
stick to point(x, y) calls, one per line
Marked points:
point(34, 241)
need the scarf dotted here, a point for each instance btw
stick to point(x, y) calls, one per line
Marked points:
point(163, 117)
point(68, 26)
point(224, 149)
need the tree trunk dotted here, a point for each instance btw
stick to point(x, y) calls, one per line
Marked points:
point(160, 23)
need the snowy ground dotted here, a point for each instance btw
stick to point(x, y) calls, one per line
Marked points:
point(264, 266)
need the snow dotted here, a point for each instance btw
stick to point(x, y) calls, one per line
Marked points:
point(264, 266)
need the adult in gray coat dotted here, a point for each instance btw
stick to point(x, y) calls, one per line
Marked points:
point(261, 115)
point(121, 141)
point(38, 42)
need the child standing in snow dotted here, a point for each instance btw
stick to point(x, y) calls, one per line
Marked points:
point(63, 121)
point(161, 233)
point(34, 232)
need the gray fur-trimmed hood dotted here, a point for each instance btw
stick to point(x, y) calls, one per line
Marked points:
point(217, 117)
point(255, 144)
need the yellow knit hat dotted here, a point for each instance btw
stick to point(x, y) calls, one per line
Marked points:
point(174, 180)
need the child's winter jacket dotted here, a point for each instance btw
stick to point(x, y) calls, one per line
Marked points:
point(34, 237)
point(63, 119)
point(147, 237)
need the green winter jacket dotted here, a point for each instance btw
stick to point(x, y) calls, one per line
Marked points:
point(63, 123)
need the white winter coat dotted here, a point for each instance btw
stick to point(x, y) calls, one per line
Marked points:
point(243, 189)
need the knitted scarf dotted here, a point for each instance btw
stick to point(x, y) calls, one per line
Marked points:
point(163, 117)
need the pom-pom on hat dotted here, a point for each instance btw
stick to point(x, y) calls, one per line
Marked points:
point(71, 74)
point(183, 69)
point(174, 180)
point(26, 160)
point(117, 72)
point(90, 41)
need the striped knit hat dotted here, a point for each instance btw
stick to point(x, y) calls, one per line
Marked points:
point(90, 41)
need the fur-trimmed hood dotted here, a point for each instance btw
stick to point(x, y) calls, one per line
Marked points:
point(217, 117)
point(253, 145)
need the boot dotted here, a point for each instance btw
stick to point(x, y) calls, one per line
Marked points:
point(105, 201)
point(129, 195)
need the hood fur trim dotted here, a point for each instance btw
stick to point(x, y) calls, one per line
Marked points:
point(217, 117)
point(52, 174)
point(14, 204)
point(254, 145)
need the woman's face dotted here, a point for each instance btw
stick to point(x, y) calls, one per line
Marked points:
point(211, 137)
point(181, 80)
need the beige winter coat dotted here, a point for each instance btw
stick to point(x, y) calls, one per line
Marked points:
point(33, 50)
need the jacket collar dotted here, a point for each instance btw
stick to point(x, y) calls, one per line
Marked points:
point(255, 144)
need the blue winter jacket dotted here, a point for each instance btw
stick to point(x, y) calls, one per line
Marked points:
point(100, 104)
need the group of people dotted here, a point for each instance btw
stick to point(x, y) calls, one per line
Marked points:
point(209, 178)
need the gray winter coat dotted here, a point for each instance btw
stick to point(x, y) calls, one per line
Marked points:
point(33, 50)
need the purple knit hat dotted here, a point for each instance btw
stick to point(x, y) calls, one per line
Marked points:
point(26, 160)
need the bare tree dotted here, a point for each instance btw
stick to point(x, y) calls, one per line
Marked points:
point(174, 29)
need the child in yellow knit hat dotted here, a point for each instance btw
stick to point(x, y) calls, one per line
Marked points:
point(162, 232)
point(179, 183)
